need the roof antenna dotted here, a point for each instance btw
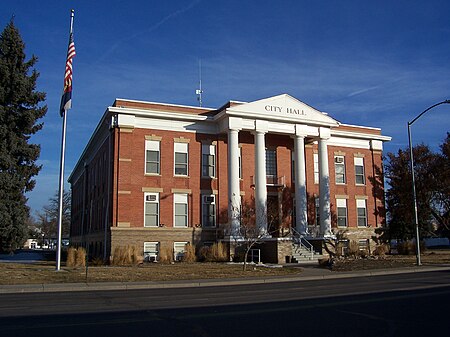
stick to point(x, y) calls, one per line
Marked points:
point(199, 91)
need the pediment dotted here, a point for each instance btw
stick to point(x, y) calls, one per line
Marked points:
point(283, 107)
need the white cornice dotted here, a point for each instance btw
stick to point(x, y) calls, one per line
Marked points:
point(359, 135)
point(159, 114)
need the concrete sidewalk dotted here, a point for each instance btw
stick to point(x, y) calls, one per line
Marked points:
point(309, 273)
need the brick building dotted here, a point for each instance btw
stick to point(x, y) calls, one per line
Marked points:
point(162, 175)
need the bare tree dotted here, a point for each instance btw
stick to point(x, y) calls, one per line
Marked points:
point(248, 234)
point(48, 218)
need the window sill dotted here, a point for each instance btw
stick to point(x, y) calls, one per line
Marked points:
point(180, 176)
point(152, 174)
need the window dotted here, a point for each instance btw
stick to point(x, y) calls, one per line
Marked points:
point(178, 250)
point(317, 208)
point(293, 166)
point(362, 212)
point(339, 166)
point(152, 157)
point(359, 171)
point(316, 168)
point(341, 205)
point(151, 204)
point(363, 245)
point(240, 163)
point(208, 211)
point(151, 251)
point(271, 166)
point(208, 161)
point(271, 162)
point(181, 159)
point(180, 210)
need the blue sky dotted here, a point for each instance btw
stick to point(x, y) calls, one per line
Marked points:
point(375, 63)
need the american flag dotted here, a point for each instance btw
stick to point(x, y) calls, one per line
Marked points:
point(66, 99)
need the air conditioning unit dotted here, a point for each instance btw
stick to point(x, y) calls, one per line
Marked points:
point(150, 197)
point(208, 199)
point(338, 160)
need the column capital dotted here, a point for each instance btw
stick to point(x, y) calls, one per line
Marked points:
point(235, 123)
point(324, 133)
point(261, 126)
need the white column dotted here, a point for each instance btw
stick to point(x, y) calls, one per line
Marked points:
point(260, 181)
point(301, 221)
point(324, 184)
point(234, 194)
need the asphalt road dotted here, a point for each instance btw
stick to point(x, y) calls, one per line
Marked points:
point(391, 305)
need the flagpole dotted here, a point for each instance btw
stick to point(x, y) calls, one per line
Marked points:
point(61, 174)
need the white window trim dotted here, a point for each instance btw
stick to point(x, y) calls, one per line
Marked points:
point(153, 145)
point(359, 161)
point(335, 171)
point(155, 202)
point(211, 151)
point(342, 203)
point(181, 148)
point(154, 255)
point(361, 203)
point(179, 198)
point(215, 209)
point(316, 167)
point(178, 254)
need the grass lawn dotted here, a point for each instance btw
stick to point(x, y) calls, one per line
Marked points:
point(44, 272)
point(429, 257)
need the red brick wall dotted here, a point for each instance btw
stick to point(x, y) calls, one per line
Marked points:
point(131, 177)
point(128, 179)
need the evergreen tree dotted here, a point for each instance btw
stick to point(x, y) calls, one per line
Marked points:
point(431, 191)
point(19, 111)
point(441, 198)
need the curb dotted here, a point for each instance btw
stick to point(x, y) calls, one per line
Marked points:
point(111, 286)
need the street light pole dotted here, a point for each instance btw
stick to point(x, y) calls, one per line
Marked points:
point(416, 218)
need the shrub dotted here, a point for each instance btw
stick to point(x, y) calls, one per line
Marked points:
point(189, 254)
point(80, 257)
point(405, 248)
point(204, 254)
point(126, 256)
point(364, 253)
point(71, 257)
point(353, 248)
point(381, 250)
point(135, 256)
point(341, 248)
point(166, 255)
point(219, 252)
